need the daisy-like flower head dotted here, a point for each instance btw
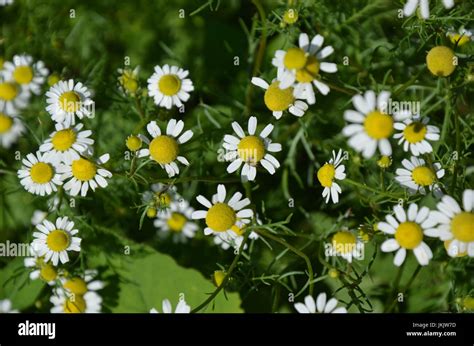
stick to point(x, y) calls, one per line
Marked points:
point(161, 196)
point(66, 100)
point(128, 80)
point(460, 37)
point(177, 219)
point(12, 96)
point(181, 308)
point(347, 245)
point(29, 75)
point(66, 144)
point(322, 305)
point(417, 175)
point(165, 148)
point(251, 150)
point(80, 285)
point(371, 126)
point(38, 175)
point(411, 5)
point(6, 304)
point(408, 229)
point(303, 65)
point(328, 173)
point(84, 173)
point(53, 241)
point(39, 269)
point(440, 61)
point(279, 100)
point(414, 135)
point(65, 302)
point(169, 86)
point(10, 129)
point(223, 216)
point(451, 223)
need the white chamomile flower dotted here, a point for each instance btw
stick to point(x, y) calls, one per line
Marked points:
point(417, 175)
point(303, 65)
point(169, 86)
point(84, 173)
point(6, 304)
point(322, 305)
point(53, 241)
point(66, 144)
point(411, 5)
point(181, 308)
point(328, 173)
point(223, 216)
point(408, 229)
point(347, 245)
point(233, 238)
point(279, 100)
point(371, 126)
point(80, 285)
point(177, 219)
point(456, 225)
point(10, 130)
point(39, 176)
point(165, 148)
point(66, 100)
point(39, 269)
point(251, 150)
point(29, 75)
point(414, 135)
point(460, 37)
point(65, 302)
point(12, 96)
point(128, 80)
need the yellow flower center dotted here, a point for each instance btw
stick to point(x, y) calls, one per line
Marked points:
point(468, 303)
point(290, 16)
point(459, 254)
point(169, 84)
point(423, 176)
point(277, 99)
point(220, 217)
point(440, 61)
point(70, 101)
point(83, 170)
point(164, 149)
point(176, 222)
point(462, 226)
point(133, 143)
point(53, 79)
point(63, 139)
point(58, 240)
point(309, 72)
point(23, 74)
point(41, 173)
point(384, 162)
point(48, 273)
point(151, 212)
point(219, 276)
point(415, 132)
point(163, 199)
point(5, 123)
point(251, 149)
point(409, 235)
point(75, 305)
point(344, 242)
point(378, 125)
point(295, 58)
point(128, 82)
point(8, 91)
point(76, 285)
point(326, 175)
point(461, 40)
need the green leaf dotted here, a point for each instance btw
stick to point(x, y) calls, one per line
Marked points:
point(150, 279)
point(16, 285)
